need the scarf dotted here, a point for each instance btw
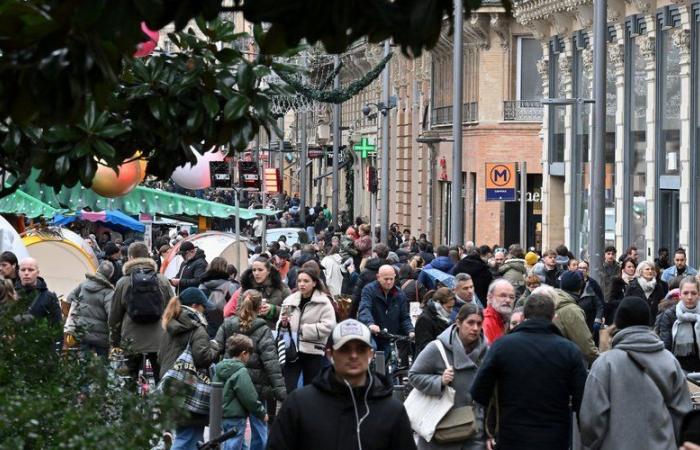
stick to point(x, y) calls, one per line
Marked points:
point(647, 286)
point(627, 278)
point(685, 329)
point(442, 313)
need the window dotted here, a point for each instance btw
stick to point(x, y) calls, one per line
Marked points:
point(528, 80)
point(556, 113)
point(580, 155)
point(636, 138)
point(695, 137)
point(610, 129)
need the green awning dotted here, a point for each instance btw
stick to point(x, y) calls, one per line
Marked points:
point(22, 203)
point(141, 200)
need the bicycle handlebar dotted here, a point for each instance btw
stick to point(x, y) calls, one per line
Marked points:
point(394, 337)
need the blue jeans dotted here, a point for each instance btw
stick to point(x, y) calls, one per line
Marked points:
point(235, 442)
point(258, 433)
point(186, 438)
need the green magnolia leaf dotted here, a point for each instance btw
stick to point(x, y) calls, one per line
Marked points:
point(104, 149)
point(211, 104)
point(245, 77)
point(62, 165)
point(81, 149)
point(227, 55)
point(235, 107)
point(112, 131)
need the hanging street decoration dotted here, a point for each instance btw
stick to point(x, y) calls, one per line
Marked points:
point(197, 176)
point(108, 183)
point(146, 48)
point(364, 148)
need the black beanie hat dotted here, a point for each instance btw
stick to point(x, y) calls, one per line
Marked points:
point(632, 311)
point(571, 281)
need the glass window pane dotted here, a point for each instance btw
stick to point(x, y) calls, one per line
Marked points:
point(638, 143)
point(556, 123)
point(581, 151)
point(530, 80)
point(610, 110)
point(670, 137)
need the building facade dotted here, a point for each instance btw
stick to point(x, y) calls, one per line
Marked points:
point(652, 123)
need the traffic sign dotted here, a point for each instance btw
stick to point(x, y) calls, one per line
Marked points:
point(501, 182)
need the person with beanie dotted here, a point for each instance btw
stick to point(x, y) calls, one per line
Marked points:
point(638, 374)
point(531, 258)
point(679, 326)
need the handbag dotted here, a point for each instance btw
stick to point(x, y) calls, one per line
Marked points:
point(286, 347)
point(459, 424)
point(184, 379)
point(426, 411)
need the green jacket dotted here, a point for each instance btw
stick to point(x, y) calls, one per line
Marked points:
point(571, 321)
point(240, 398)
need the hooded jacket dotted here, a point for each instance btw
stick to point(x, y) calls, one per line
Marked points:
point(539, 374)
point(368, 275)
point(313, 323)
point(426, 376)
point(189, 327)
point(134, 337)
point(638, 375)
point(240, 398)
point(191, 271)
point(91, 303)
point(571, 321)
point(514, 271)
point(333, 269)
point(479, 271)
point(303, 422)
point(219, 283)
point(263, 364)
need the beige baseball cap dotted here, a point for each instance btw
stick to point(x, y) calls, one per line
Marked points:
point(350, 330)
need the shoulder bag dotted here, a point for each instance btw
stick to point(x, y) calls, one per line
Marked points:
point(459, 424)
point(185, 380)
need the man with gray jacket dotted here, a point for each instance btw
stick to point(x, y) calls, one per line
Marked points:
point(137, 339)
point(636, 394)
point(90, 303)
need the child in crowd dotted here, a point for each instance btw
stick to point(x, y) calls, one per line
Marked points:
point(240, 398)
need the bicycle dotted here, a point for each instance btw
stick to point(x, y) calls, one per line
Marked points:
point(391, 366)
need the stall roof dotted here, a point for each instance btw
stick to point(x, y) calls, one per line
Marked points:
point(22, 203)
point(140, 200)
point(114, 218)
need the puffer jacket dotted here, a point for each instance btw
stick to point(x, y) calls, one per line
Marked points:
point(240, 399)
point(90, 303)
point(426, 376)
point(313, 324)
point(263, 365)
point(217, 282)
point(134, 337)
point(189, 327)
point(368, 275)
point(514, 271)
point(571, 321)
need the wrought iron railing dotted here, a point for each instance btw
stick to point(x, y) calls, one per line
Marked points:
point(443, 115)
point(523, 110)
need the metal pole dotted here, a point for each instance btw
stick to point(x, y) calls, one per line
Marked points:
point(384, 221)
point(336, 147)
point(372, 215)
point(236, 191)
point(216, 409)
point(303, 172)
point(523, 205)
point(596, 241)
point(431, 193)
point(457, 205)
point(280, 156)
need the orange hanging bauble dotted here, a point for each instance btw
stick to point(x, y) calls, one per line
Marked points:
point(108, 184)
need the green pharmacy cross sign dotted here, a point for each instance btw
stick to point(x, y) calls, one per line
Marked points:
point(364, 148)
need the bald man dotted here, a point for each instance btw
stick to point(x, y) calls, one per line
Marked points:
point(385, 307)
point(34, 297)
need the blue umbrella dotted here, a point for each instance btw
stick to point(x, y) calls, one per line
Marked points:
point(441, 277)
point(114, 219)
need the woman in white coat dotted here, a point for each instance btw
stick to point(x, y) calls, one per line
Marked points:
point(333, 269)
point(309, 315)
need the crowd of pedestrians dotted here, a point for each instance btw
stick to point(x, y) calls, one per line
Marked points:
point(544, 355)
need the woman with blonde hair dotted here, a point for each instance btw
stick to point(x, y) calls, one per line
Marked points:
point(184, 324)
point(649, 287)
point(263, 364)
point(8, 296)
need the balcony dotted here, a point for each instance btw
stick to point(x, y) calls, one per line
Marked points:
point(443, 115)
point(522, 111)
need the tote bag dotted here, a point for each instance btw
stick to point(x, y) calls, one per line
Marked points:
point(186, 380)
point(426, 411)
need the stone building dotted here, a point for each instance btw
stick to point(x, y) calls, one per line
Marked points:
point(651, 183)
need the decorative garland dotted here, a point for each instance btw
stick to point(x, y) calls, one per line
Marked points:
point(336, 96)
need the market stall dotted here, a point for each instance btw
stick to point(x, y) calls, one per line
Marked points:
point(213, 243)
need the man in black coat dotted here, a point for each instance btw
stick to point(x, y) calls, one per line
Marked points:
point(538, 374)
point(368, 275)
point(34, 299)
point(473, 265)
point(346, 407)
point(192, 268)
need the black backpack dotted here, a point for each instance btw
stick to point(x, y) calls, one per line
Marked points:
point(144, 300)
